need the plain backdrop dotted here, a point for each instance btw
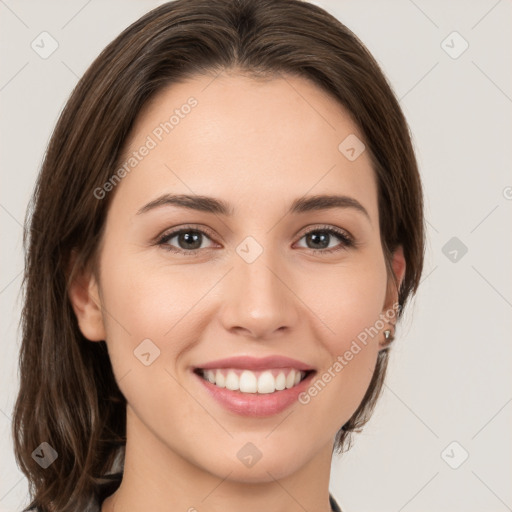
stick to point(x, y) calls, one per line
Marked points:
point(440, 436)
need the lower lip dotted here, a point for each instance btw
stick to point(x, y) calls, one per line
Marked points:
point(256, 404)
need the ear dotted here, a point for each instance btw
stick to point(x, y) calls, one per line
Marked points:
point(390, 312)
point(83, 292)
point(398, 267)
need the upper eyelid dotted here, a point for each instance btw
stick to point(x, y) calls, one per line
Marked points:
point(179, 229)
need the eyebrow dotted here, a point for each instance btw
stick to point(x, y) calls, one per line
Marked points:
point(220, 207)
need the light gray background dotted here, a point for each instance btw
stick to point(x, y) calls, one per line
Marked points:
point(450, 373)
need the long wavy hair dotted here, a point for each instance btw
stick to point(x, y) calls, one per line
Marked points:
point(68, 395)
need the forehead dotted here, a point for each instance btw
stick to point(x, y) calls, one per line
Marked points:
point(272, 138)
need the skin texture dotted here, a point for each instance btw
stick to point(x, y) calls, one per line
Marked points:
point(257, 145)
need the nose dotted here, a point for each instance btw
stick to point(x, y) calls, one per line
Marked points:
point(259, 299)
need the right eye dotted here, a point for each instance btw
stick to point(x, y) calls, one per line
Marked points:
point(189, 241)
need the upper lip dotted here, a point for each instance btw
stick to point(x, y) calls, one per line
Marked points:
point(256, 363)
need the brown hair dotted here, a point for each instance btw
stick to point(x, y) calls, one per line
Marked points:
point(68, 394)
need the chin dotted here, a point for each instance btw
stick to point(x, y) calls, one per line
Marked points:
point(250, 464)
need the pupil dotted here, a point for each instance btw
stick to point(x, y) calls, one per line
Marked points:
point(324, 239)
point(190, 238)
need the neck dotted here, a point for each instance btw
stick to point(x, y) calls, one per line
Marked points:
point(157, 478)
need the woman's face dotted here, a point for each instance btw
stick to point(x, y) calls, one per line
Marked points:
point(245, 280)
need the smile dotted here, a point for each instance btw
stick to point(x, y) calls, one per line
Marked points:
point(248, 381)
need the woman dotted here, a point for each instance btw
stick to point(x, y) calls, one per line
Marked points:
point(226, 227)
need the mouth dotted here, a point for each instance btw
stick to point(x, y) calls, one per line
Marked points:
point(254, 387)
point(269, 381)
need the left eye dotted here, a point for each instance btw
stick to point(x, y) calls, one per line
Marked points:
point(190, 240)
point(324, 235)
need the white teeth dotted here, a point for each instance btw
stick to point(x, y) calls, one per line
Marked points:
point(232, 381)
point(290, 379)
point(266, 383)
point(247, 381)
point(220, 380)
point(280, 382)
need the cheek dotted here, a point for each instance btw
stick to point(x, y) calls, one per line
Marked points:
point(349, 301)
point(141, 304)
point(151, 321)
point(350, 306)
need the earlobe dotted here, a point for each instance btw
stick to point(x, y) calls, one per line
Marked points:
point(83, 292)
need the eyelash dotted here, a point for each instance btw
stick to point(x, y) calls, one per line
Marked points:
point(346, 240)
